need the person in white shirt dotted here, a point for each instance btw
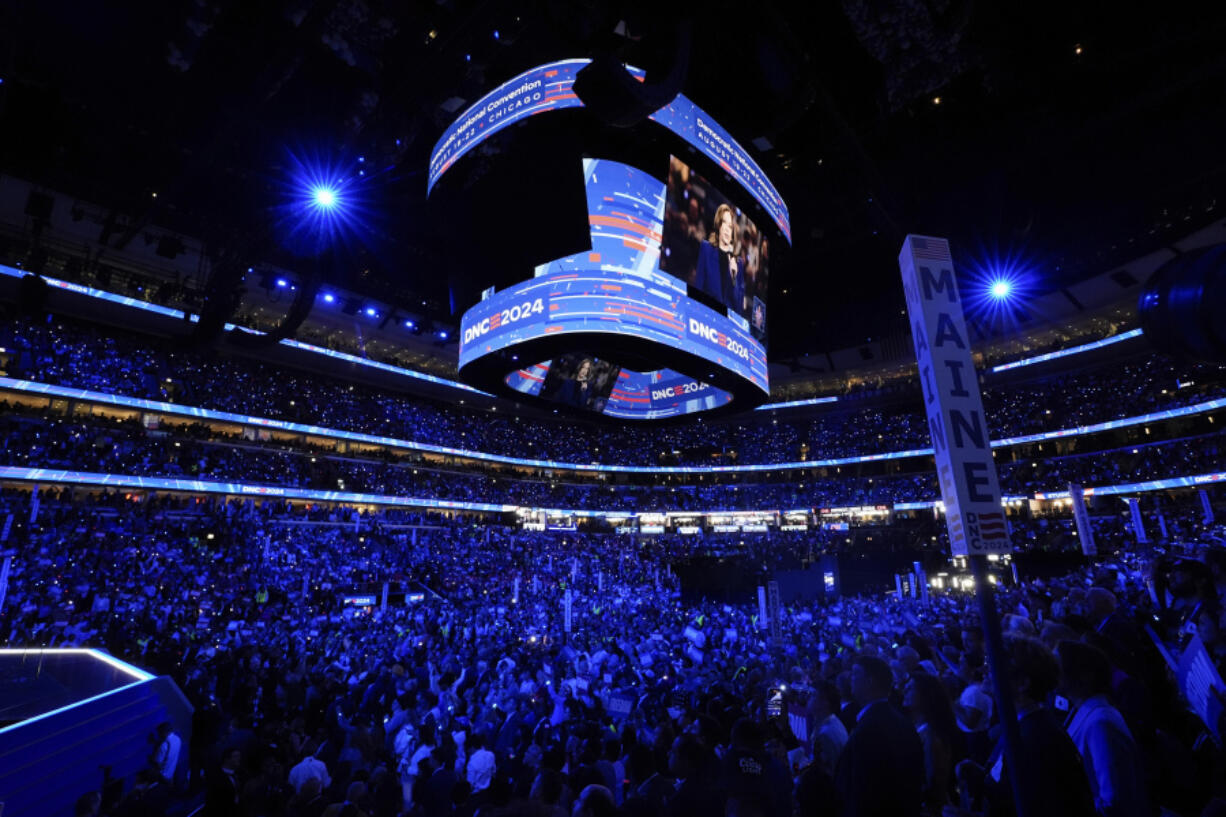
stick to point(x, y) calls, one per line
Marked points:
point(166, 753)
point(411, 765)
point(310, 767)
point(481, 764)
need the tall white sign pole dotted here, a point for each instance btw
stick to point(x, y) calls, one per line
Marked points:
point(1138, 521)
point(964, 464)
point(1081, 519)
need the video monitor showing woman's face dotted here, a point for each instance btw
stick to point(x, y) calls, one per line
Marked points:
point(581, 381)
point(714, 247)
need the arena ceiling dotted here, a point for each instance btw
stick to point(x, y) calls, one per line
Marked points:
point(1058, 137)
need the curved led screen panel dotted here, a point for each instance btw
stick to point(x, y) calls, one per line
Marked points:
point(544, 88)
point(718, 250)
point(634, 395)
point(606, 315)
point(653, 395)
point(549, 87)
point(626, 209)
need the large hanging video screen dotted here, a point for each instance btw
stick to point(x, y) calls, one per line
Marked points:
point(665, 312)
point(686, 229)
point(617, 287)
point(550, 87)
point(714, 247)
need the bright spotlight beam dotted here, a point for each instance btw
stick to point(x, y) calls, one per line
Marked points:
point(324, 197)
point(325, 205)
point(1001, 289)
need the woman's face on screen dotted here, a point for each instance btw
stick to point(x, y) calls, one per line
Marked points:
point(585, 371)
point(725, 230)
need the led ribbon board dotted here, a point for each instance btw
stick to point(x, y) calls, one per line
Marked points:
point(645, 519)
point(549, 87)
point(649, 316)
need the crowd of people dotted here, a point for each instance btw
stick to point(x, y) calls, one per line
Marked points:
point(61, 352)
point(185, 295)
point(100, 444)
point(494, 696)
point(524, 672)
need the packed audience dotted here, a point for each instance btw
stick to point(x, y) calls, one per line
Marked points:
point(183, 294)
point(44, 439)
point(481, 699)
point(518, 672)
point(61, 352)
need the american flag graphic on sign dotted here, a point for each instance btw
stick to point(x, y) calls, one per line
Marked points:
point(930, 249)
point(992, 524)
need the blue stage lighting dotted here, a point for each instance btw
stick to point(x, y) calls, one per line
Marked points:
point(329, 297)
point(326, 204)
point(1000, 285)
point(409, 324)
point(442, 334)
point(372, 312)
point(281, 282)
point(324, 197)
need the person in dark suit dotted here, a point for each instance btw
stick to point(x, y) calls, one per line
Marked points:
point(1123, 641)
point(578, 391)
point(221, 796)
point(751, 774)
point(1110, 756)
point(1053, 775)
point(720, 272)
point(435, 797)
point(695, 795)
point(880, 772)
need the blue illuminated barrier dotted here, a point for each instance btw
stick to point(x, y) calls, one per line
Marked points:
point(69, 393)
point(123, 481)
point(69, 712)
point(811, 401)
point(1072, 350)
point(1142, 487)
point(201, 486)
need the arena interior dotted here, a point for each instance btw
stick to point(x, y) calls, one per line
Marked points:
point(575, 407)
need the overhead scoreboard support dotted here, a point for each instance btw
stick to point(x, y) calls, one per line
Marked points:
point(963, 453)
